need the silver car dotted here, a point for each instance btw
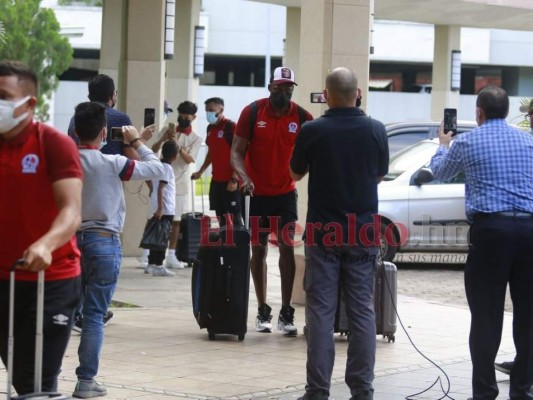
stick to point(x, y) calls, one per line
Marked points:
point(418, 212)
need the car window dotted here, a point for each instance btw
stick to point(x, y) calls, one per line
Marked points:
point(418, 154)
point(457, 179)
point(401, 140)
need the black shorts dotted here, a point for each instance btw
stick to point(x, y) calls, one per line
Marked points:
point(274, 211)
point(223, 201)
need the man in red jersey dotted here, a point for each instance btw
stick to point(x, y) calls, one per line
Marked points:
point(40, 210)
point(224, 196)
point(261, 152)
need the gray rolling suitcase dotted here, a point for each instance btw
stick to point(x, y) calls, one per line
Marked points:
point(37, 381)
point(385, 300)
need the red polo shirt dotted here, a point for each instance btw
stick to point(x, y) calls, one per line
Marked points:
point(29, 164)
point(270, 149)
point(219, 150)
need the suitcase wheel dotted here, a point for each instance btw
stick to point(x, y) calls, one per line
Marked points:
point(211, 335)
point(241, 337)
point(390, 337)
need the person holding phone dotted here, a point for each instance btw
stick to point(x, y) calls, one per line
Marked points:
point(188, 143)
point(497, 161)
point(103, 216)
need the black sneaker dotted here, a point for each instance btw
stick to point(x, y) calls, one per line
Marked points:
point(286, 321)
point(504, 367)
point(108, 317)
point(262, 322)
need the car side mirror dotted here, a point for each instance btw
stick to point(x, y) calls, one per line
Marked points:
point(422, 176)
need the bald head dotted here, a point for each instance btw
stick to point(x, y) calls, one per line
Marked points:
point(341, 85)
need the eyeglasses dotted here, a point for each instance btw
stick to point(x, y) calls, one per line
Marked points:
point(527, 117)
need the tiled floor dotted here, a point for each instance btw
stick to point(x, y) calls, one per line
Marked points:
point(157, 351)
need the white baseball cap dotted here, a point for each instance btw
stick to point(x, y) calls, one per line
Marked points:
point(283, 75)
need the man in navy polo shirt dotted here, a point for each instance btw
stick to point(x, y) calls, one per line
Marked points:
point(346, 154)
point(102, 90)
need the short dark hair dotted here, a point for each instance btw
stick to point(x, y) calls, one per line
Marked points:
point(494, 102)
point(187, 107)
point(216, 100)
point(89, 119)
point(101, 88)
point(23, 73)
point(169, 151)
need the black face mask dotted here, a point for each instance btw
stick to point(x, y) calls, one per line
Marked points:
point(358, 102)
point(183, 123)
point(280, 100)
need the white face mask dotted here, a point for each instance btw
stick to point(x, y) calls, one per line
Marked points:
point(7, 108)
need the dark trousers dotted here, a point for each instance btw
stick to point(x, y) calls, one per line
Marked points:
point(61, 298)
point(326, 269)
point(156, 257)
point(501, 252)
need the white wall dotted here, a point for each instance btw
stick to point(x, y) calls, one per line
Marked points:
point(240, 27)
point(68, 95)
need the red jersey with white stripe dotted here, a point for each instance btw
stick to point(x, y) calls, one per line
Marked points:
point(29, 164)
point(270, 149)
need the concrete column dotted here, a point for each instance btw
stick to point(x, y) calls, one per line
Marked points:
point(112, 48)
point(334, 33)
point(144, 87)
point(291, 58)
point(447, 38)
point(180, 82)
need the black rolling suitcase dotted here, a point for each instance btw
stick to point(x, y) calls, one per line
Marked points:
point(221, 281)
point(190, 232)
point(37, 382)
point(385, 300)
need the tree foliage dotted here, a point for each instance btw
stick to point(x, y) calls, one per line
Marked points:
point(31, 35)
point(93, 3)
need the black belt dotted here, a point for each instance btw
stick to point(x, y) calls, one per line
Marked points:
point(508, 214)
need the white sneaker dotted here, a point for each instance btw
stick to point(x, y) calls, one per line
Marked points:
point(162, 271)
point(143, 262)
point(263, 320)
point(149, 268)
point(172, 262)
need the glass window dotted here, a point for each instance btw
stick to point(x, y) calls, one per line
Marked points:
point(410, 157)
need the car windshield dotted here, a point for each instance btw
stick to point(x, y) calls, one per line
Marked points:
point(417, 154)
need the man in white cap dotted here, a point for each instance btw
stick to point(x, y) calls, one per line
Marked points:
point(260, 154)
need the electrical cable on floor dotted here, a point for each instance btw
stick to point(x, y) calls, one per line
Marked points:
point(438, 380)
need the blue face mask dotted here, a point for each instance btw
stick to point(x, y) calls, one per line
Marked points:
point(211, 117)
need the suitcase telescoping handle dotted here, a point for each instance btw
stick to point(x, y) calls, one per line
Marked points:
point(37, 380)
point(247, 210)
point(193, 195)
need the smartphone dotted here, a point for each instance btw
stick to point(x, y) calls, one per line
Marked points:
point(116, 134)
point(317, 97)
point(149, 116)
point(450, 120)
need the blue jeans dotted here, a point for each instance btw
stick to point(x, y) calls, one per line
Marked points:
point(101, 257)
